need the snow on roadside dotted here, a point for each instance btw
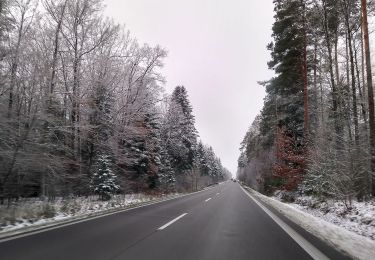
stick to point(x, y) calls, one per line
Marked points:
point(37, 213)
point(359, 219)
point(358, 247)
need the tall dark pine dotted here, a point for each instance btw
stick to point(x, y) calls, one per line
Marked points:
point(288, 89)
point(154, 152)
point(306, 118)
point(166, 173)
point(288, 62)
point(143, 152)
point(98, 151)
point(180, 134)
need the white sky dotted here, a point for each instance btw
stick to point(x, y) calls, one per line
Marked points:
point(217, 50)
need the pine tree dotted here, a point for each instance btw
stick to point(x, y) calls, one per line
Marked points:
point(202, 159)
point(287, 52)
point(137, 154)
point(103, 180)
point(179, 132)
point(145, 155)
point(370, 93)
point(101, 121)
point(153, 149)
point(288, 89)
point(166, 173)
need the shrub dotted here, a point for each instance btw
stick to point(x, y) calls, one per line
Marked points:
point(48, 211)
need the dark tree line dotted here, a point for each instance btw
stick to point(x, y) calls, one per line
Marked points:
point(315, 133)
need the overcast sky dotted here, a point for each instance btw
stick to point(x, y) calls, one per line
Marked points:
point(217, 50)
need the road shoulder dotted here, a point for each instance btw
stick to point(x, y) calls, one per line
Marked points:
point(346, 242)
point(34, 229)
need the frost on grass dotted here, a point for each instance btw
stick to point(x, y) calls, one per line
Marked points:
point(34, 212)
point(358, 247)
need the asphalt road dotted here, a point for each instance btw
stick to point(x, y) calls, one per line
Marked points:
point(218, 223)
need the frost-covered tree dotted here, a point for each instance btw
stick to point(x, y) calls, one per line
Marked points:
point(100, 119)
point(146, 159)
point(202, 159)
point(179, 133)
point(208, 164)
point(166, 172)
point(153, 146)
point(75, 86)
point(313, 131)
point(103, 179)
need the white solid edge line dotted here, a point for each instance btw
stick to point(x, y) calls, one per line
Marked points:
point(172, 221)
point(207, 199)
point(306, 245)
point(84, 219)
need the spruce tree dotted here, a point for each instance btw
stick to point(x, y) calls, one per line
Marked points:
point(103, 180)
point(287, 49)
point(179, 132)
point(202, 159)
point(145, 156)
point(101, 122)
point(166, 172)
point(153, 145)
point(286, 100)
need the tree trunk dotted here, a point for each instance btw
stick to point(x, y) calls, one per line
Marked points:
point(331, 74)
point(304, 76)
point(14, 68)
point(360, 90)
point(55, 53)
point(370, 93)
point(352, 74)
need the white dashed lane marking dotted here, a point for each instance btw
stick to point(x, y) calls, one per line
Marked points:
point(172, 221)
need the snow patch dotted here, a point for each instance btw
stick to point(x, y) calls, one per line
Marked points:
point(30, 213)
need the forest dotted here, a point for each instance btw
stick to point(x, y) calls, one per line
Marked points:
point(315, 134)
point(83, 109)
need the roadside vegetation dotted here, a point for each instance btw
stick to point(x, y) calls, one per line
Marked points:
point(314, 137)
point(84, 117)
point(31, 213)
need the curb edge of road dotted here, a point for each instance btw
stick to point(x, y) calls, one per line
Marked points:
point(308, 247)
point(338, 246)
point(30, 230)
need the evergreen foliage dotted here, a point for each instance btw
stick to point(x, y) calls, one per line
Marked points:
point(328, 156)
point(81, 107)
point(180, 134)
point(103, 180)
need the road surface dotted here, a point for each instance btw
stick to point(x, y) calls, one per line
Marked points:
point(219, 223)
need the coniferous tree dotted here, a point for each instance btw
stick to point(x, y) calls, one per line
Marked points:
point(146, 157)
point(287, 52)
point(166, 172)
point(75, 87)
point(154, 150)
point(288, 87)
point(319, 147)
point(180, 134)
point(370, 92)
point(101, 121)
point(103, 180)
point(202, 159)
